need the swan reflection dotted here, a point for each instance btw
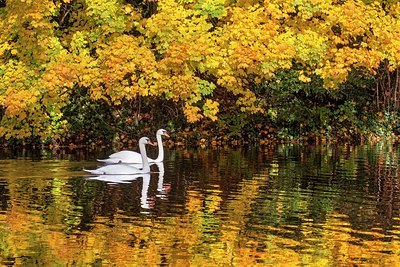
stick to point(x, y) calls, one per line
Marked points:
point(161, 190)
point(125, 179)
point(145, 199)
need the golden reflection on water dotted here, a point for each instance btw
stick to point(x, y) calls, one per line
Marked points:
point(287, 206)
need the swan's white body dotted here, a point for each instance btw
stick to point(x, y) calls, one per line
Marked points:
point(126, 169)
point(132, 157)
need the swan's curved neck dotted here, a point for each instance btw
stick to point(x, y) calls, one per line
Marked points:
point(160, 149)
point(146, 166)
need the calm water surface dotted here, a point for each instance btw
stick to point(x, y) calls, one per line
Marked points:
point(284, 205)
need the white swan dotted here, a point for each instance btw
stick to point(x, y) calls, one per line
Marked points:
point(126, 169)
point(132, 157)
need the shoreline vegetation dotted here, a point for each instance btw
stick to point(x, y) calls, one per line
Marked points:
point(188, 138)
point(96, 73)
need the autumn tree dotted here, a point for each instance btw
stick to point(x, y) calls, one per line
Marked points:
point(186, 52)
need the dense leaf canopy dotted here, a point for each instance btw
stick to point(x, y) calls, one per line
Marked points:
point(186, 51)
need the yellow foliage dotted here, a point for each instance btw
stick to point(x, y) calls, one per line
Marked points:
point(126, 69)
point(210, 109)
point(192, 113)
point(304, 78)
point(310, 46)
point(108, 48)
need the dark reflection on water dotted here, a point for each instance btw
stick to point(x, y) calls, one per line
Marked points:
point(278, 205)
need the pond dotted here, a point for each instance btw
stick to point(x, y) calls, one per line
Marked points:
point(281, 205)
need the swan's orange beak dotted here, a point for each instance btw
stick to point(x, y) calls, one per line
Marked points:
point(151, 143)
point(166, 134)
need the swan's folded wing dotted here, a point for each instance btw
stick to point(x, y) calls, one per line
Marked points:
point(93, 171)
point(126, 156)
point(110, 160)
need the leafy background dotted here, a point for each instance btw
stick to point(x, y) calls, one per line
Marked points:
point(91, 71)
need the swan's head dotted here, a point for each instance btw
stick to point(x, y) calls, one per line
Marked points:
point(163, 132)
point(146, 141)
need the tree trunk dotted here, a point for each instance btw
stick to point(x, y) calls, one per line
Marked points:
point(387, 88)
